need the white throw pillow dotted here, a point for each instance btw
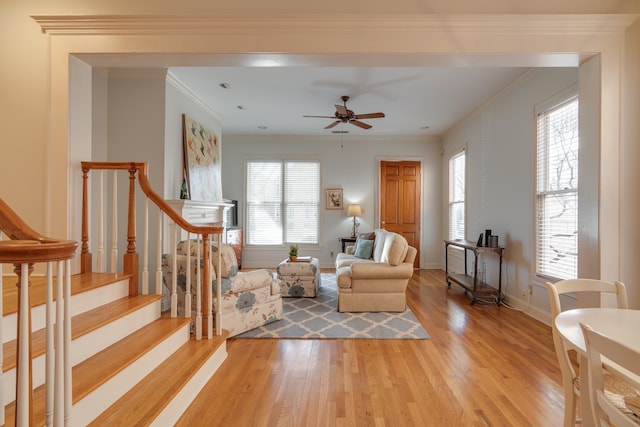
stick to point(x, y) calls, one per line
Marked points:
point(378, 243)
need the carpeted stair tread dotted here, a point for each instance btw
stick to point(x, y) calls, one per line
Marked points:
point(99, 368)
point(79, 283)
point(81, 324)
point(148, 398)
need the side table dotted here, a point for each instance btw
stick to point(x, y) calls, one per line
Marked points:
point(345, 240)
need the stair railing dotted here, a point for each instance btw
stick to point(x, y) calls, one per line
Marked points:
point(23, 247)
point(203, 321)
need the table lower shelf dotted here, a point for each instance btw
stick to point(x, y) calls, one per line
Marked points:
point(481, 291)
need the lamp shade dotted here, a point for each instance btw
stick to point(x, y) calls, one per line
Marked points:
point(354, 210)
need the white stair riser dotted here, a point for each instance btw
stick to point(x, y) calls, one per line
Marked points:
point(87, 345)
point(94, 342)
point(104, 396)
point(174, 409)
point(80, 303)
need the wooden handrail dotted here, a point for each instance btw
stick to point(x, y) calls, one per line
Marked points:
point(143, 177)
point(21, 247)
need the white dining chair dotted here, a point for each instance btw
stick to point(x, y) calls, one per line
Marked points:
point(570, 379)
point(611, 409)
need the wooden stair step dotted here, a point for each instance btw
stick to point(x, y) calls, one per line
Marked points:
point(98, 369)
point(81, 324)
point(79, 283)
point(148, 398)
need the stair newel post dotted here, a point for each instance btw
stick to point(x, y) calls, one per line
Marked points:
point(206, 287)
point(219, 287)
point(24, 383)
point(131, 257)
point(85, 255)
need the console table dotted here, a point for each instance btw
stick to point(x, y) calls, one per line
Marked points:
point(479, 290)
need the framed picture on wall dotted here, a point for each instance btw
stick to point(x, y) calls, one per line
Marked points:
point(202, 158)
point(333, 198)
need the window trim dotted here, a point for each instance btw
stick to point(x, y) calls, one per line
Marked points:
point(460, 152)
point(565, 96)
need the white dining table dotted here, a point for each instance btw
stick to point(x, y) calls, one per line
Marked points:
point(621, 325)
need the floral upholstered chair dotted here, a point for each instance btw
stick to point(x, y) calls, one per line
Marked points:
point(249, 299)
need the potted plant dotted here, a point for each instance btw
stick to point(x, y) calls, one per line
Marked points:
point(293, 252)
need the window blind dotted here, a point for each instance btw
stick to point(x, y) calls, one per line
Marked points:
point(282, 202)
point(557, 191)
point(457, 196)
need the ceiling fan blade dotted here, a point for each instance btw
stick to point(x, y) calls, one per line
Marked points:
point(322, 117)
point(333, 124)
point(369, 116)
point(342, 110)
point(360, 124)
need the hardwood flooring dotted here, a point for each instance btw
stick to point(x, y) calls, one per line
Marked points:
point(483, 366)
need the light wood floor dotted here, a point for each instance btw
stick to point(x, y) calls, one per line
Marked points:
point(483, 366)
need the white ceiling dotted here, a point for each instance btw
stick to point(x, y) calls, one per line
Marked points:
point(412, 97)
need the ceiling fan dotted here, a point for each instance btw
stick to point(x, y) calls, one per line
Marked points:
point(344, 115)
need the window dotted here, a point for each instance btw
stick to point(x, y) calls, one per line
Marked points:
point(283, 201)
point(456, 196)
point(557, 190)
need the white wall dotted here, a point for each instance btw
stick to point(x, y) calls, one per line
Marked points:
point(500, 140)
point(352, 166)
point(181, 100)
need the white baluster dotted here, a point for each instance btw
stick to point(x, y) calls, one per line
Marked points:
point(209, 302)
point(145, 250)
point(67, 344)
point(114, 224)
point(174, 272)
point(49, 356)
point(100, 248)
point(59, 398)
point(187, 291)
point(198, 296)
point(159, 254)
point(23, 392)
point(219, 288)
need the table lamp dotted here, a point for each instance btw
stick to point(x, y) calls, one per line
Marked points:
point(354, 211)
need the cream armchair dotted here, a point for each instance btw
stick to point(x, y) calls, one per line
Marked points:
point(249, 299)
point(375, 279)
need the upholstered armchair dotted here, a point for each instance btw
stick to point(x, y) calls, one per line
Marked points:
point(249, 299)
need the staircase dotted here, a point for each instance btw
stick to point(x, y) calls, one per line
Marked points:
point(131, 364)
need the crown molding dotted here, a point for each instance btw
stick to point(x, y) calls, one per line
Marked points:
point(179, 85)
point(486, 24)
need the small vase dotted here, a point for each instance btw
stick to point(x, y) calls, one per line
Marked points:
point(293, 258)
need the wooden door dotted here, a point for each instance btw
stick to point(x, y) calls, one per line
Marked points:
point(400, 201)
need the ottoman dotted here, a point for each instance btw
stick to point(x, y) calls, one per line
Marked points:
point(299, 279)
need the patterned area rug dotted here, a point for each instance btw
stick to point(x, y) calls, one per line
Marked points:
point(316, 318)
